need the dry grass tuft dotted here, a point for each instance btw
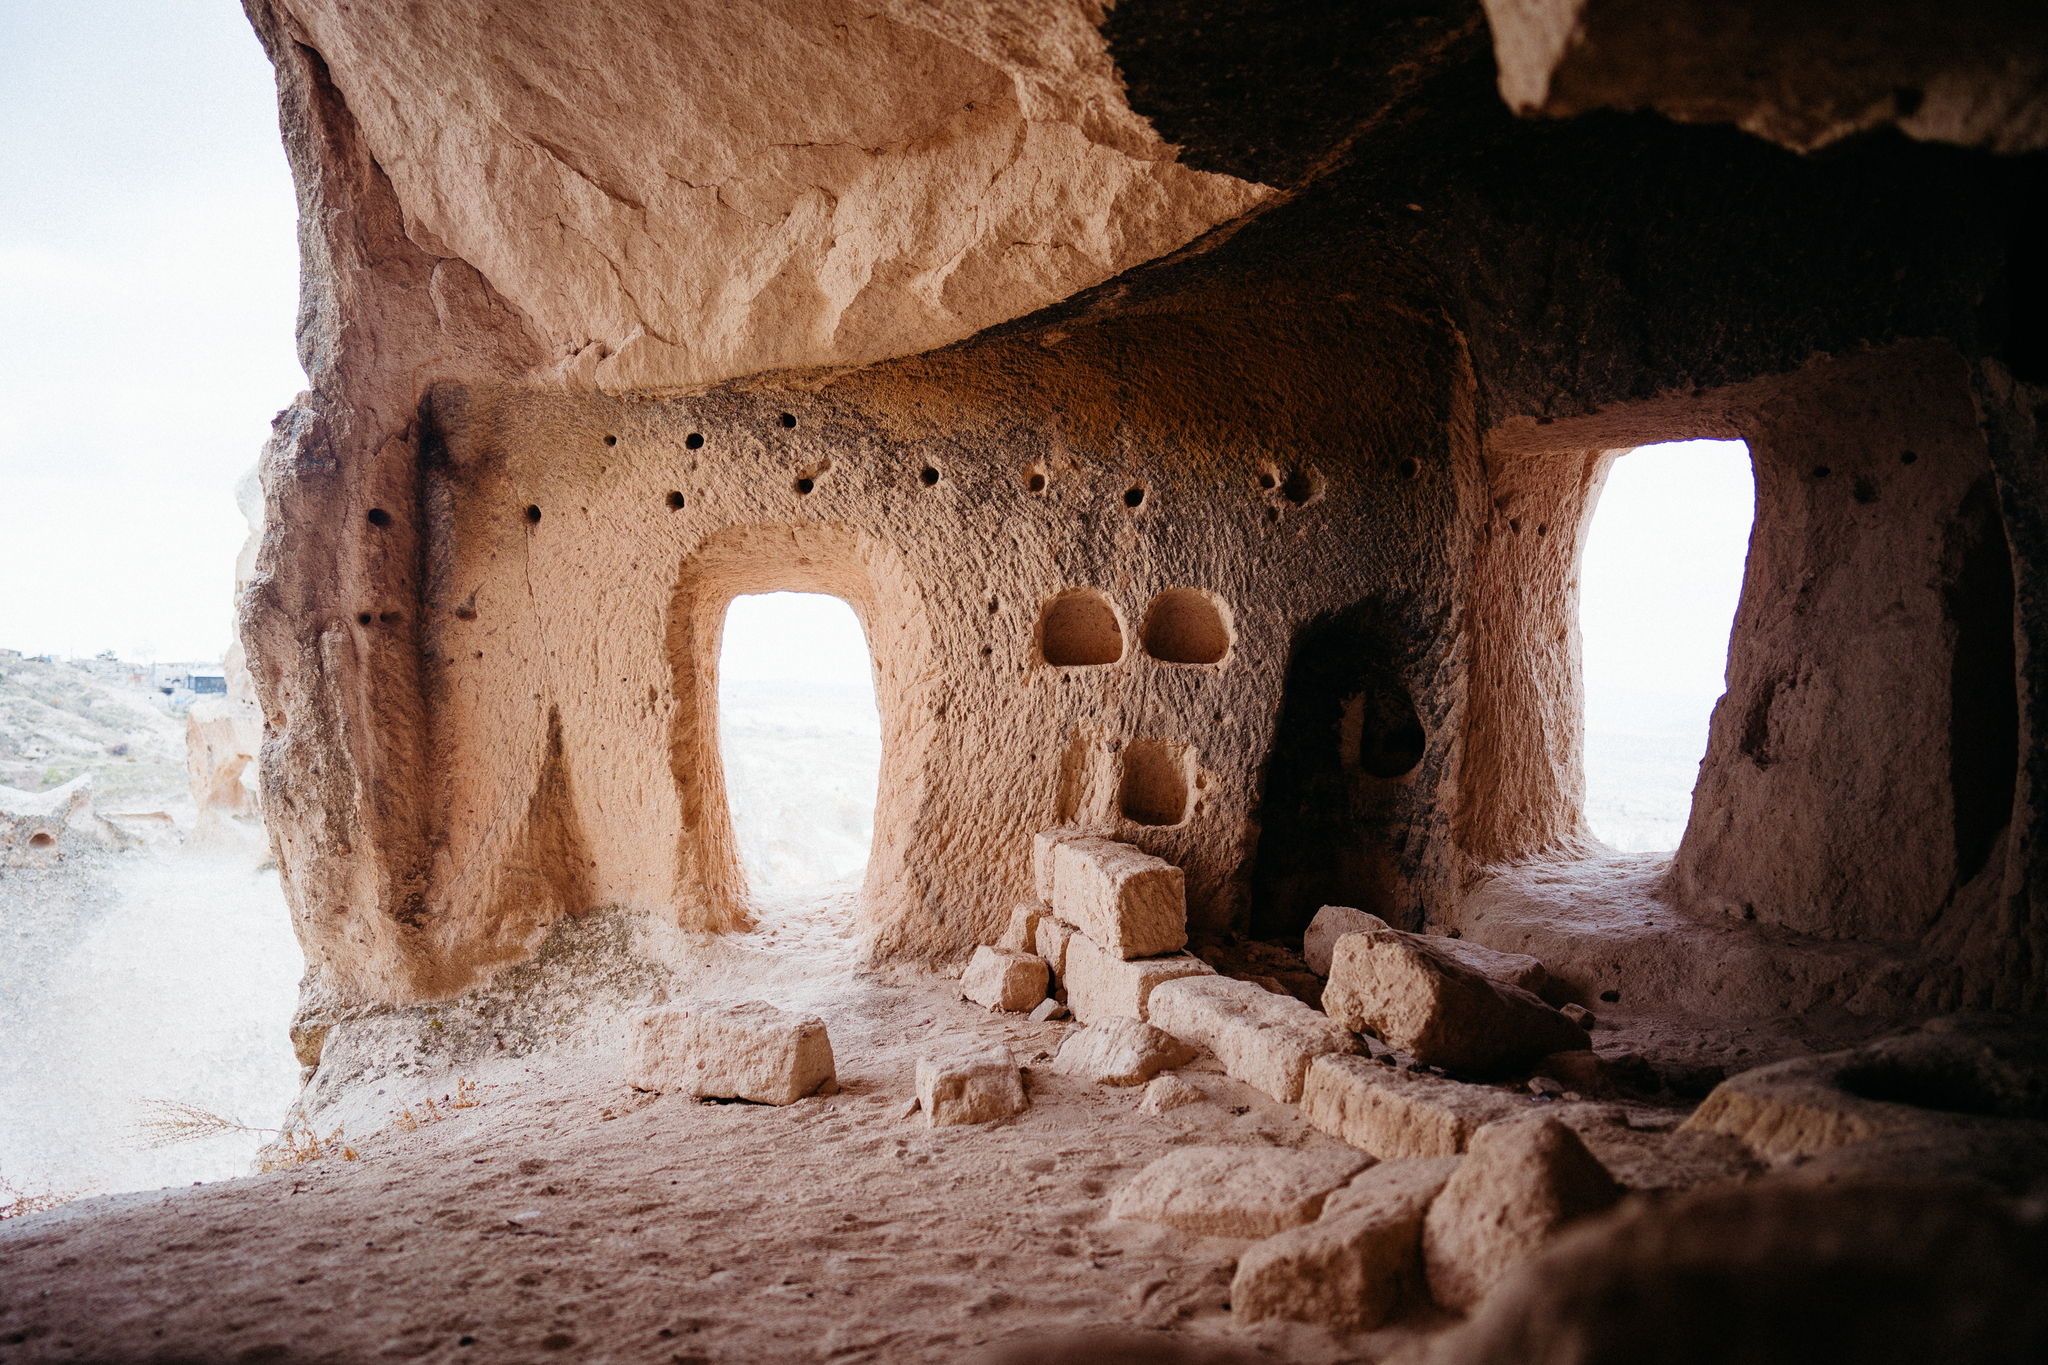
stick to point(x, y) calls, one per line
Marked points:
point(19, 1203)
point(166, 1123)
point(297, 1146)
point(169, 1122)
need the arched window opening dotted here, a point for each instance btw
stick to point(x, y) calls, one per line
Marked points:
point(800, 738)
point(1658, 587)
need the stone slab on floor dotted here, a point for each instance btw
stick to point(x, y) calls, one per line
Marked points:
point(1515, 969)
point(1101, 985)
point(1418, 996)
point(1331, 923)
point(1121, 1052)
point(1357, 1264)
point(1262, 1038)
point(1397, 1114)
point(1518, 1184)
point(1000, 979)
point(1167, 1093)
point(1236, 1191)
point(744, 1050)
point(1125, 900)
point(978, 1085)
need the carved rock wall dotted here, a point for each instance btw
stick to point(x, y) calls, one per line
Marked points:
point(1364, 421)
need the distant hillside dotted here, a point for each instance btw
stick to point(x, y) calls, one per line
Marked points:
point(57, 721)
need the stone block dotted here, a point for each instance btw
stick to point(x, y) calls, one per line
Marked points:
point(1518, 1184)
point(744, 1050)
point(1125, 900)
point(1048, 1009)
point(1051, 938)
point(1020, 935)
point(1331, 923)
point(1394, 1187)
point(1236, 1191)
point(1042, 845)
point(1103, 986)
point(1121, 1052)
point(999, 979)
point(978, 1086)
point(1397, 1114)
point(1516, 969)
point(1353, 1267)
point(1264, 1039)
point(1415, 995)
point(1170, 1092)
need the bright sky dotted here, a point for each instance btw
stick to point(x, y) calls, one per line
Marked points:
point(793, 637)
point(148, 279)
point(1663, 568)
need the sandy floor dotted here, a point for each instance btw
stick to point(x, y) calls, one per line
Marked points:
point(564, 1212)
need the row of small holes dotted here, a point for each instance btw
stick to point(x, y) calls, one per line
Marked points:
point(695, 440)
point(1134, 497)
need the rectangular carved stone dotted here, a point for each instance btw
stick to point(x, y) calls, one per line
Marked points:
point(1417, 995)
point(1396, 1114)
point(1052, 936)
point(1042, 845)
point(978, 1086)
point(1353, 1267)
point(1331, 923)
point(1262, 1039)
point(1129, 902)
point(998, 979)
point(744, 1050)
point(1020, 935)
point(1235, 1191)
point(1101, 985)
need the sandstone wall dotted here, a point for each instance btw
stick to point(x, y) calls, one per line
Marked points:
point(1364, 421)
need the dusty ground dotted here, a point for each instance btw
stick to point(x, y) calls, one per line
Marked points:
point(563, 1212)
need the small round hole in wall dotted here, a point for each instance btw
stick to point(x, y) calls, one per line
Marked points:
point(533, 514)
point(1153, 788)
point(1034, 481)
point(379, 517)
point(1185, 626)
point(1303, 486)
point(1409, 468)
point(1134, 497)
point(694, 441)
point(363, 618)
point(1821, 471)
point(804, 487)
point(789, 420)
point(611, 440)
point(1391, 739)
point(675, 502)
point(1269, 479)
point(1079, 628)
point(1907, 457)
point(41, 839)
point(929, 477)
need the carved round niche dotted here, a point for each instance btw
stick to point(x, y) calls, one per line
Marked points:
point(1186, 626)
point(1079, 628)
point(1154, 787)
